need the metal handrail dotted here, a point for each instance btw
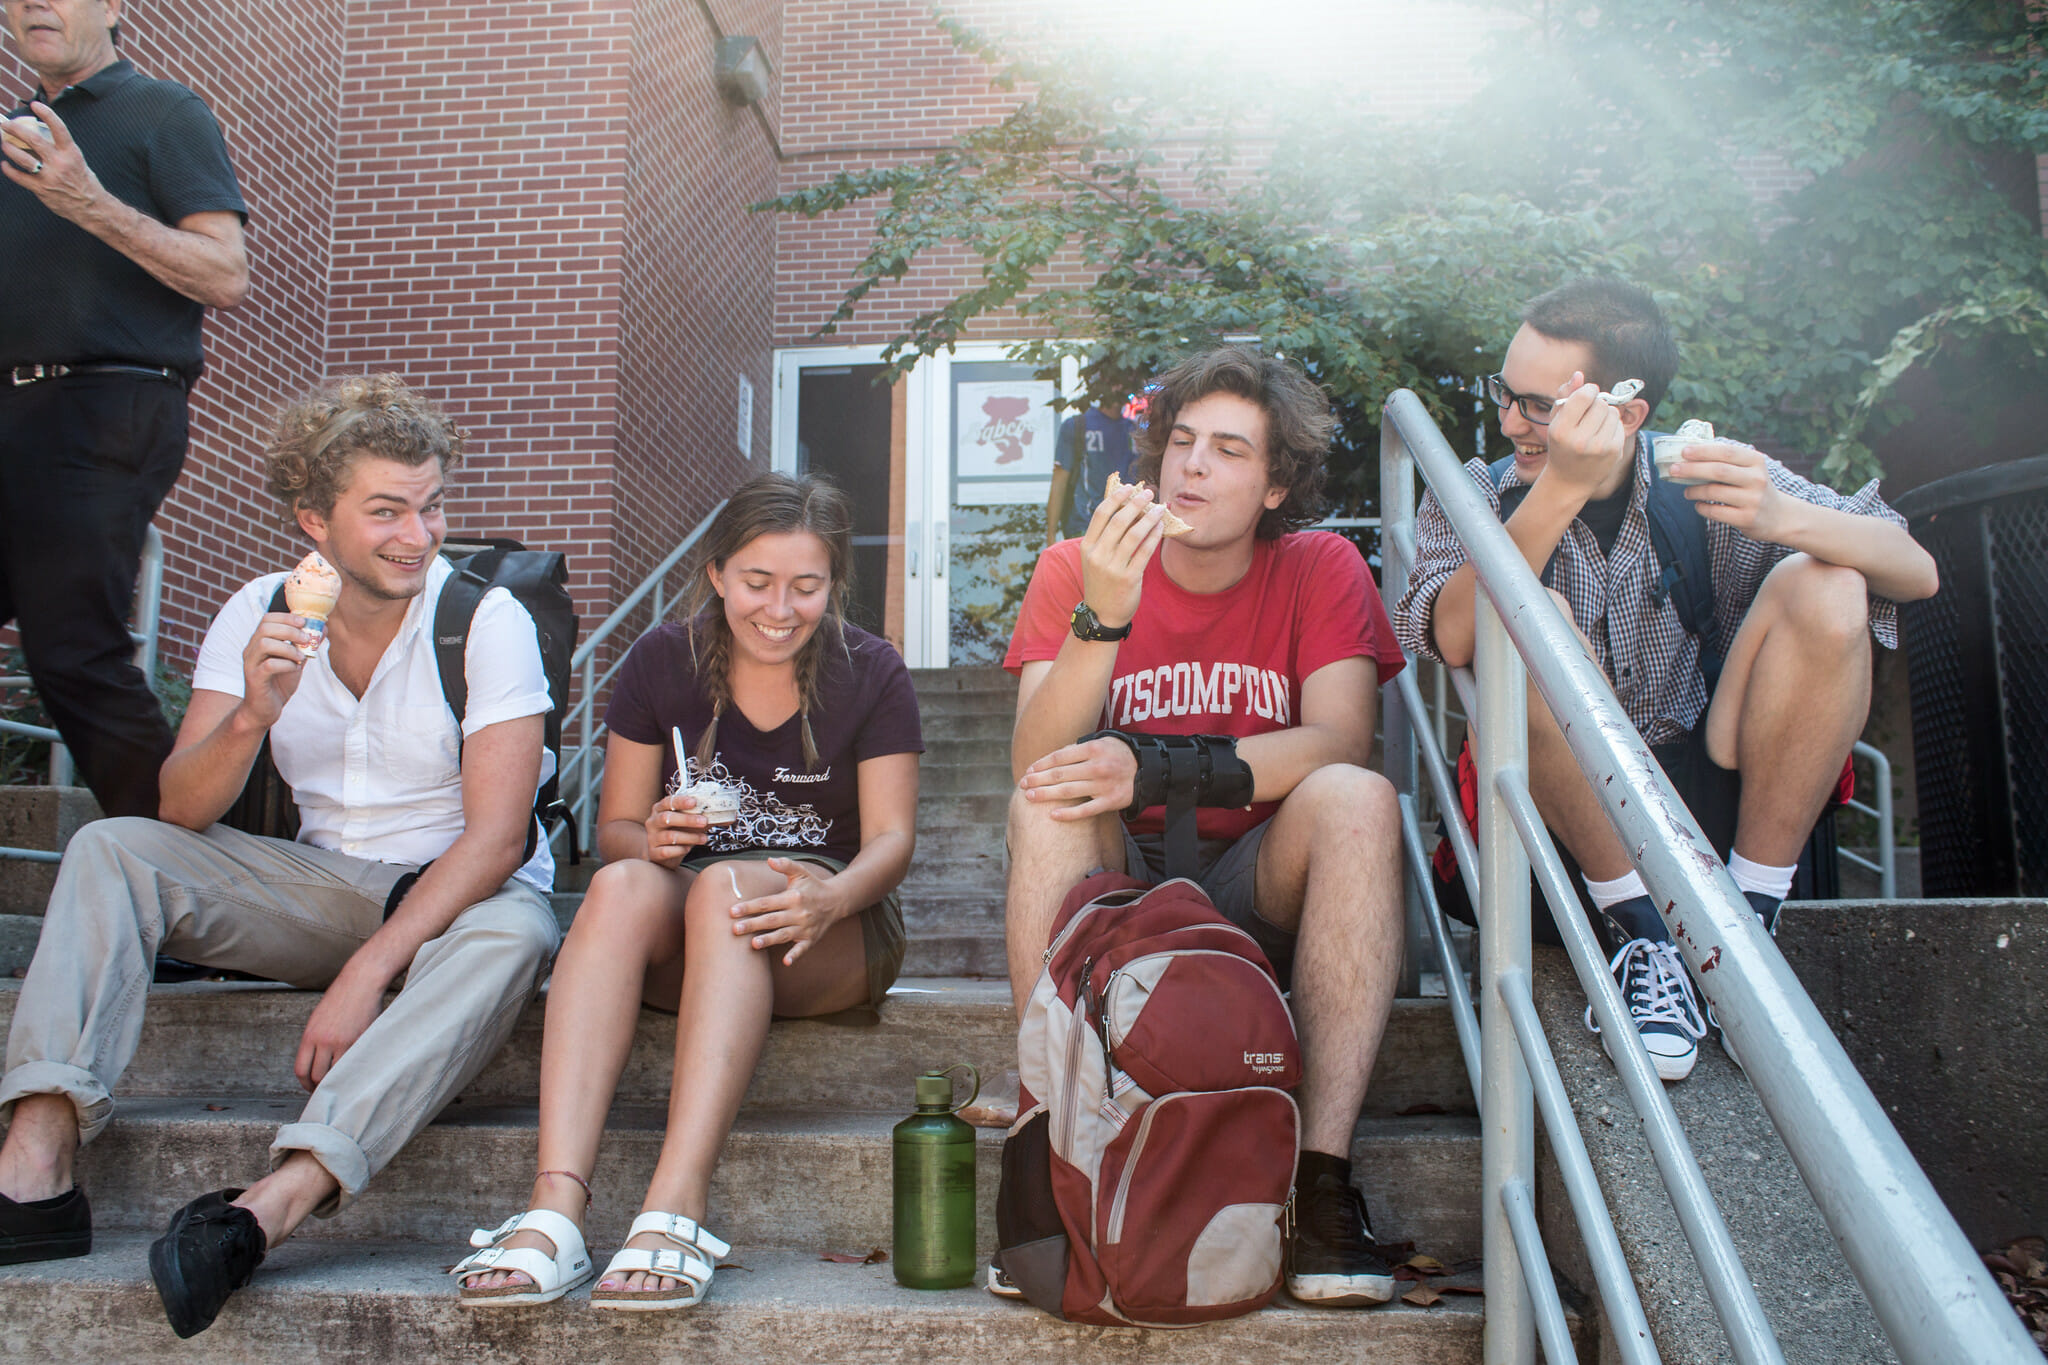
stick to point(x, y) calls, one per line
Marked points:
point(581, 791)
point(149, 594)
point(1929, 1291)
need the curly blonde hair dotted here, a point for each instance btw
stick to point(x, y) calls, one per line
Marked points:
point(318, 436)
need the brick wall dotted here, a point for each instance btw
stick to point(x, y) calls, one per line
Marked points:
point(478, 225)
point(698, 279)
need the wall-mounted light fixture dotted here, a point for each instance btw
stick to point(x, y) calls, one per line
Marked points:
point(742, 70)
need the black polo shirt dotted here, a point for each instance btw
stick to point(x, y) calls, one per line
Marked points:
point(66, 296)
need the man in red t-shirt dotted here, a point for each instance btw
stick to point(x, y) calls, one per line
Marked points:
point(1247, 626)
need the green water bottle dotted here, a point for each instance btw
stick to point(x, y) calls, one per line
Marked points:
point(934, 1243)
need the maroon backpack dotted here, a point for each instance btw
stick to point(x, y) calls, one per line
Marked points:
point(1152, 1161)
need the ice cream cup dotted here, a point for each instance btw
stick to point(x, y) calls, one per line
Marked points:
point(1665, 451)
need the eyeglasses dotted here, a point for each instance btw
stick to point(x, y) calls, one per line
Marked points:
point(1535, 410)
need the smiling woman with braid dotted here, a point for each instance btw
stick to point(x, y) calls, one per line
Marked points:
point(760, 789)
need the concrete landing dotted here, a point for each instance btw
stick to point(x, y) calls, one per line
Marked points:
point(355, 1302)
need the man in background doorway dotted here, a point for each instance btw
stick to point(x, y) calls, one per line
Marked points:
point(1092, 445)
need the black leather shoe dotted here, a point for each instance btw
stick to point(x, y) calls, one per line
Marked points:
point(45, 1229)
point(210, 1251)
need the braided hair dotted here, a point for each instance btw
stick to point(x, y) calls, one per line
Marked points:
point(770, 504)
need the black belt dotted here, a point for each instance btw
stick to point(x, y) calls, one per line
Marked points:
point(31, 374)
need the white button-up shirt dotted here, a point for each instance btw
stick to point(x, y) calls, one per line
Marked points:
point(379, 777)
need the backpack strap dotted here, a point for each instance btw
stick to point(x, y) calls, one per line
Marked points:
point(453, 616)
point(1678, 535)
point(1678, 539)
point(1511, 498)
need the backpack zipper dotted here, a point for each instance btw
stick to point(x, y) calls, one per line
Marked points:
point(1064, 1141)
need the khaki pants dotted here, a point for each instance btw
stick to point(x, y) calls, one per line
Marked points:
point(290, 912)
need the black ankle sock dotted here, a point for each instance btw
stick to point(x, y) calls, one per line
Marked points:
point(1312, 1164)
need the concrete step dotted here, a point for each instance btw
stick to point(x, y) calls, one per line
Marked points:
point(241, 1037)
point(966, 844)
point(968, 955)
point(39, 818)
point(963, 779)
point(795, 1179)
point(18, 935)
point(950, 911)
point(941, 686)
point(983, 752)
point(986, 812)
point(980, 727)
point(380, 1302)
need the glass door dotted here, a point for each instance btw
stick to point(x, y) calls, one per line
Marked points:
point(949, 471)
point(991, 473)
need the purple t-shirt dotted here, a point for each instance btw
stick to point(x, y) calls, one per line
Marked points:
point(865, 709)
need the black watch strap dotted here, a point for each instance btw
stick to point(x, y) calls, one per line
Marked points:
point(1088, 626)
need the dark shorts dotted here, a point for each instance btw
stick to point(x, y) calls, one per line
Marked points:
point(1227, 872)
point(1711, 792)
point(881, 924)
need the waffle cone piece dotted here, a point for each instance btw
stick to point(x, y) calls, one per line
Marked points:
point(1173, 525)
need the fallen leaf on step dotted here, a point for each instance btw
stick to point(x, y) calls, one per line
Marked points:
point(215, 1108)
point(1422, 1296)
point(1428, 1265)
point(875, 1256)
point(19, 973)
point(734, 1265)
point(1458, 1289)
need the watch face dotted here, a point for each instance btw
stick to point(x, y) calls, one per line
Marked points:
point(1088, 626)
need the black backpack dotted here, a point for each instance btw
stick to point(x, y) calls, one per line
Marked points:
point(538, 580)
point(1678, 537)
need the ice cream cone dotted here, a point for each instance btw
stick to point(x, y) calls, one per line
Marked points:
point(311, 592)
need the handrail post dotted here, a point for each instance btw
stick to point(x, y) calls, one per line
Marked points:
point(1397, 510)
point(583, 759)
point(1506, 1102)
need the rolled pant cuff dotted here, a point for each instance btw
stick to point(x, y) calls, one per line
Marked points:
point(333, 1149)
point(95, 1106)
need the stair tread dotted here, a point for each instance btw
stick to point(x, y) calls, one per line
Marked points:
point(394, 1300)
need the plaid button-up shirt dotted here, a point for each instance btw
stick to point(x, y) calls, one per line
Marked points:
point(1648, 656)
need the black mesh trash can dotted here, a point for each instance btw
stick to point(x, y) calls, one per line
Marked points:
point(1978, 661)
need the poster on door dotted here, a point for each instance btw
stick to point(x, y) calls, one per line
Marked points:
point(1003, 432)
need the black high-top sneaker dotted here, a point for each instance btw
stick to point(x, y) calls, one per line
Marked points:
point(1331, 1261)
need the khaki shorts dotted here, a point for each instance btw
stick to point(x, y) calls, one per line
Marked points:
point(881, 924)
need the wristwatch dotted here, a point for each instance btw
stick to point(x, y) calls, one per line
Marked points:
point(1088, 626)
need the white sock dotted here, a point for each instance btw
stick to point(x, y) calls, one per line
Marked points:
point(1624, 887)
point(1765, 881)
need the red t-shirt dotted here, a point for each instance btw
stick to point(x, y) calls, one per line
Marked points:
point(1224, 663)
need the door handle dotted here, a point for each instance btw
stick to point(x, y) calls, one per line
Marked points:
point(939, 549)
point(910, 538)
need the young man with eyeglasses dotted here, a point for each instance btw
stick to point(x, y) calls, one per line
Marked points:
point(1803, 580)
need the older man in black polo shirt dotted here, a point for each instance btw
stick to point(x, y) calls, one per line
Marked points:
point(123, 223)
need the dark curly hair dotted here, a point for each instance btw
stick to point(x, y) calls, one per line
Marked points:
point(319, 435)
point(1299, 425)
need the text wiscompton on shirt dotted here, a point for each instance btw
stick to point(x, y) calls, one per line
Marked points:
point(379, 777)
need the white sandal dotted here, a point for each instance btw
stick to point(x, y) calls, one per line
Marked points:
point(692, 1262)
point(551, 1276)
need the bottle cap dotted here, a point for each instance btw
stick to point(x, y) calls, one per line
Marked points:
point(934, 1091)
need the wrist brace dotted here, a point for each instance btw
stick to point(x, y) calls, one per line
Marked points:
point(1183, 771)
